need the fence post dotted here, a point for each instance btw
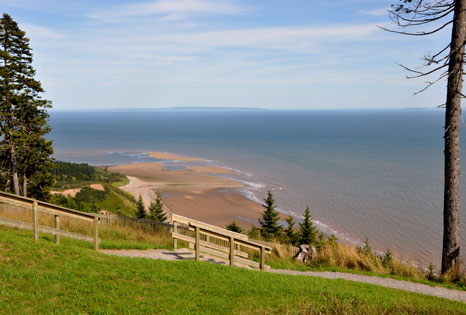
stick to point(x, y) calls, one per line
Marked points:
point(262, 264)
point(57, 227)
point(198, 243)
point(35, 221)
point(96, 233)
point(232, 251)
point(175, 230)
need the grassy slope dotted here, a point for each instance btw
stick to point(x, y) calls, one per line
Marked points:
point(71, 278)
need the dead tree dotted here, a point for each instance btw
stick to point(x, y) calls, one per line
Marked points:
point(447, 63)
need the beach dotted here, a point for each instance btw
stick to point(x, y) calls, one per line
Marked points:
point(196, 192)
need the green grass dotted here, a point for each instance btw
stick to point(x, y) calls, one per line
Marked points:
point(71, 278)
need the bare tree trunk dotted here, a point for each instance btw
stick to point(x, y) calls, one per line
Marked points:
point(451, 206)
point(25, 186)
point(14, 166)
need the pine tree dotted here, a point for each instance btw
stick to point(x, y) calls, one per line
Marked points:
point(140, 209)
point(156, 210)
point(290, 233)
point(24, 150)
point(234, 227)
point(308, 230)
point(269, 222)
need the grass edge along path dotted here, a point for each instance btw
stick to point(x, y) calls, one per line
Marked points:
point(45, 278)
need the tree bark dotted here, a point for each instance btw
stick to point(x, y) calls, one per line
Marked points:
point(25, 186)
point(451, 206)
point(14, 164)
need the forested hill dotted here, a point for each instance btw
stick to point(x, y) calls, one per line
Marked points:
point(90, 189)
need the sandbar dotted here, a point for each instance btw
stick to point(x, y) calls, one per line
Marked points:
point(169, 156)
point(192, 193)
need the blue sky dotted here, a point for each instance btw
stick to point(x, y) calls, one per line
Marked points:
point(287, 54)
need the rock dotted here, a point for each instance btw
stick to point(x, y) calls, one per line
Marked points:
point(306, 253)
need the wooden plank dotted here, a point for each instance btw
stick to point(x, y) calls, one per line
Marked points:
point(175, 230)
point(96, 233)
point(81, 237)
point(16, 224)
point(208, 227)
point(232, 251)
point(207, 244)
point(58, 211)
point(35, 221)
point(198, 243)
point(43, 206)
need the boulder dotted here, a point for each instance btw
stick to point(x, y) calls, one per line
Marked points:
point(306, 253)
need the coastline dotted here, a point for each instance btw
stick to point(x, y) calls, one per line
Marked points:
point(196, 191)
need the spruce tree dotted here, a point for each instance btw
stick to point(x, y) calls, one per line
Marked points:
point(290, 233)
point(140, 209)
point(308, 230)
point(156, 210)
point(269, 222)
point(234, 227)
point(24, 150)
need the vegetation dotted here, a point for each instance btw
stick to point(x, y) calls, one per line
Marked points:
point(156, 209)
point(291, 237)
point(269, 223)
point(308, 230)
point(72, 175)
point(234, 227)
point(111, 199)
point(71, 278)
point(448, 63)
point(24, 150)
point(140, 209)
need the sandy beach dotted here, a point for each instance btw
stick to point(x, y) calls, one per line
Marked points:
point(193, 192)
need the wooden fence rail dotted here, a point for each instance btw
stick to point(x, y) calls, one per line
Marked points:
point(36, 207)
point(215, 241)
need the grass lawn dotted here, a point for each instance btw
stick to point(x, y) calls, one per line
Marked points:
point(71, 278)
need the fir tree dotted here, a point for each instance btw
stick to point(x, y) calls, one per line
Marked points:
point(290, 232)
point(24, 150)
point(269, 222)
point(308, 230)
point(140, 209)
point(156, 210)
point(234, 227)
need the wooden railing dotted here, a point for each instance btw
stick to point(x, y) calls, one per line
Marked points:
point(38, 207)
point(215, 241)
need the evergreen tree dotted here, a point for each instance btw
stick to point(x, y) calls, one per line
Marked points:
point(234, 227)
point(24, 150)
point(290, 233)
point(308, 230)
point(269, 222)
point(140, 209)
point(156, 210)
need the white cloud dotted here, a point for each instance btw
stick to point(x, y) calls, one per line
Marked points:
point(376, 12)
point(41, 32)
point(169, 9)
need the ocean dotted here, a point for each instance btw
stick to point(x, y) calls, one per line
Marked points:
point(363, 173)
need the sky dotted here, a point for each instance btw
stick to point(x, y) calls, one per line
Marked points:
point(275, 54)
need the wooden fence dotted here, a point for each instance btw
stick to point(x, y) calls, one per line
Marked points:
point(135, 223)
point(215, 241)
point(37, 207)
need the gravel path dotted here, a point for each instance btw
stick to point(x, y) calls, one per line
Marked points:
point(181, 254)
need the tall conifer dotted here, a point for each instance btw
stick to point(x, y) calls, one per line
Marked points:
point(156, 210)
point(23, 118)
point(269, 222)
point(308, 230)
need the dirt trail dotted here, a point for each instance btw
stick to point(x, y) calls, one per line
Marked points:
point(181, 254)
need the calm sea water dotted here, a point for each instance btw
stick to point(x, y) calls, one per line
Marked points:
point(363, 173)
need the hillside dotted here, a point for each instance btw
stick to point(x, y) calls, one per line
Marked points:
point(91, 189)
point(43, 278)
